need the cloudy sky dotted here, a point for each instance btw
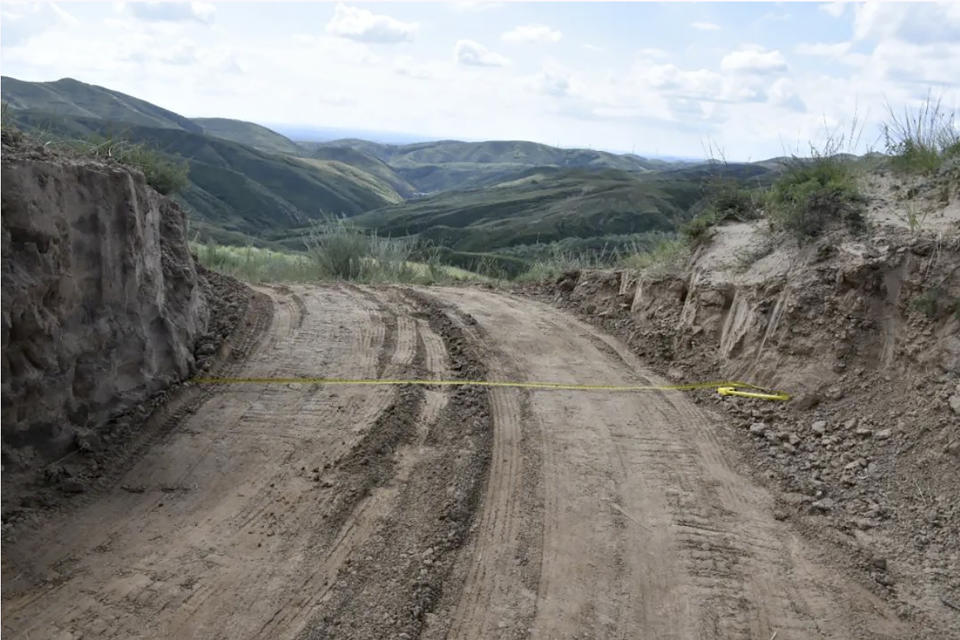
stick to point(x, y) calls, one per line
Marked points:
point(754, 79)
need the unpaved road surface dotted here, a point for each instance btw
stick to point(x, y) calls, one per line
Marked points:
point(306, 511)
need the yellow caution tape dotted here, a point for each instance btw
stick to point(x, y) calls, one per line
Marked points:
point(731, 391)
point(724, 388)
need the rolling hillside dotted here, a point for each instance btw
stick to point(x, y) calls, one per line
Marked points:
point(545, 205)
point(247, 181)
point(237, 188)
point(72, 98)
point(451, 165)
point(248, 133)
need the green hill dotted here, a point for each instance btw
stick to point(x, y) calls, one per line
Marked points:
point(361, 160)
point(545, 205)
point(234, 187)
point(69, 97)
point(452, 165)
point(248, 133)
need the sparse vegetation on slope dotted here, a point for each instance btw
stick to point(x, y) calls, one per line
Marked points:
point(814, 193)
point(919, 141)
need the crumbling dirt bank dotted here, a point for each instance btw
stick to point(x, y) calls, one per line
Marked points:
point(866, 334)
point(103, 309)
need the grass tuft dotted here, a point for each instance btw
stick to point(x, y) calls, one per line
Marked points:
point(920, 140)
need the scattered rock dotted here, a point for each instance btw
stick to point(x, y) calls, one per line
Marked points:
point(823, 505)
point(820, 427)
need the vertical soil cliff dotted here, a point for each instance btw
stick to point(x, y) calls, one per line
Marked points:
point(102, 303)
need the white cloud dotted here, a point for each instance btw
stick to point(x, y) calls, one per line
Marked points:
point(705, 26)
point(172, 11)
point(782, 93)
point(468, 52)
point(550, 84)
point(828, 49)
point(651, 53)
point(835, 9)
point(470, 5)
point(532, 34)
point(366, 26)
point(920, 23)
point(754, 59)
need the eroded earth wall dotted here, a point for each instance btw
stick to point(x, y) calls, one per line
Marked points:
point(102, 303)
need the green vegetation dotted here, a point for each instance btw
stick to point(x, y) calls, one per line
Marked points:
point(165, 173)
point(565, 203)
point(814, 193)
point(667, 257)
point(935, 303)
point(336, 251)
point(247, 133)
point(920, 141)
point(558, 261)
point(71, 98)
point(447, 165)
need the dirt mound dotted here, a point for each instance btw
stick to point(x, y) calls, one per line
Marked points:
point(103, 304)
point(865, 332)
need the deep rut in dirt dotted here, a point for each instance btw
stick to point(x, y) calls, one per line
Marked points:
point(310, 511)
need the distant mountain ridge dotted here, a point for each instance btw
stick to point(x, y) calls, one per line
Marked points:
point(72, 98)
point(248, 133)
point(248, 182)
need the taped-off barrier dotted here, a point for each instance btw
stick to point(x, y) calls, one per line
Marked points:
point(724, 388)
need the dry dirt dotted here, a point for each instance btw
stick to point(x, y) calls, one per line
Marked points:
point(307, 511)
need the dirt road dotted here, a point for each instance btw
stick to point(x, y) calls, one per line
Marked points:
point(306, 511)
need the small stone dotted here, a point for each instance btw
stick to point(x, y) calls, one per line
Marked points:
point(823, 505)
point(757, 428)
point(850, 424)
point(863, 432)
point(955, 403)
point(820, 427)
point(883, 434)
point(806, 401)
point(834, 393)
point(856, 464)
point(789, 448)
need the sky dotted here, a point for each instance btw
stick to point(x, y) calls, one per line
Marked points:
point(745, 81)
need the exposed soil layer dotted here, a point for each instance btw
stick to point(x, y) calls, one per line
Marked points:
point(102, 303)
point(309, 511)
point(105, 313)
point(865, 332)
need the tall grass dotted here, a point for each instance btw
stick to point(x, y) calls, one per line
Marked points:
point(254, 264)
point(341, 251)
point(919, 140)
point(165, 173)
point(556, 261)
point(667, 257)
point(336, 251)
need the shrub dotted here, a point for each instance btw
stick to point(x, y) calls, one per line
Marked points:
point(814, 193)
point(920, 140)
